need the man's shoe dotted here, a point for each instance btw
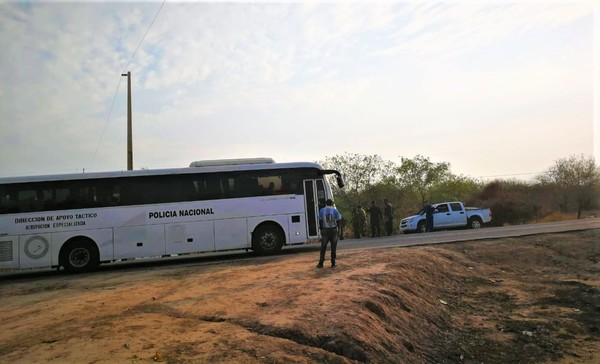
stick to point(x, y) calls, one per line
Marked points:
point(319, 265)
point(333, 264)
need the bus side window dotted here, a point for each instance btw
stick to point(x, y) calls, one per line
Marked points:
point(27, 200)
point(285, 187)
point(130, 193)
point(245, 187)
point(48, 198)
point(104, 196)
point(85, 197)
point(4, 201)
point(10, 203)
point(116, 196)
point(70, 199)
point(189, 191)
point(212, 188)
point(292, 186)
point(270, 185)
point(270, 189)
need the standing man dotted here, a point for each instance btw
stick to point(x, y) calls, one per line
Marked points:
point(388, 215)
point(428, 217)
point(341, 227)
point(375, 215)
point(329, 219)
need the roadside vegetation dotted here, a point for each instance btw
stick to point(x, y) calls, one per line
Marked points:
point(569, 189)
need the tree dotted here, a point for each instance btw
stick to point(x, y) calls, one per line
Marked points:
point(457, 188)
point(420, 175)
point(359, 171)
point(577, 178)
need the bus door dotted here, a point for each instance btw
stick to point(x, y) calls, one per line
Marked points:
point(314, 200)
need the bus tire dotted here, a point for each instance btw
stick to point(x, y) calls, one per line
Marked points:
point(475, 223)
point(267, 239)
point(79, 255)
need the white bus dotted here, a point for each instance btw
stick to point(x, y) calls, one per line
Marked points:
point(78, 221)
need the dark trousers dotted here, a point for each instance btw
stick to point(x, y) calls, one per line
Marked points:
point(389, 226)
point(375, 229)
point(356, 229)
point(429, 221)
point(328, 235)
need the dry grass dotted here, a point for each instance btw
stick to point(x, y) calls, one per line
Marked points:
point(533, 299)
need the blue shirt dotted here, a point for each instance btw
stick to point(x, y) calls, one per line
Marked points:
point(329, 216)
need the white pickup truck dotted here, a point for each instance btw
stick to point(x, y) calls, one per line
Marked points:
point(448, 215)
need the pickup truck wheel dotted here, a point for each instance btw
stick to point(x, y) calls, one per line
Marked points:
point(475, 223)
point(421, 227)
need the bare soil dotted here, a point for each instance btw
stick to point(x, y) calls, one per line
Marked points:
point(533, 299)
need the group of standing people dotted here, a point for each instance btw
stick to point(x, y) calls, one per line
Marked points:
point(376, 216)
point(331, 225)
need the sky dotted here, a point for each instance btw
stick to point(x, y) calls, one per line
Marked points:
point(496, 89)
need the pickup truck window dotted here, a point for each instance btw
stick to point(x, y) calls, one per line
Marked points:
point(456, 206)
point(442, 208)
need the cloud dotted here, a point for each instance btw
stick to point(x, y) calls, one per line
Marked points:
point(449, 30)
point(208, 76)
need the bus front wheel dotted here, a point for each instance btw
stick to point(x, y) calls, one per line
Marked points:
point(267, 239)
point(80, 256)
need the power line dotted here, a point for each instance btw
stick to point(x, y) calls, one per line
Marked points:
point(144, 37)
point(119, 84)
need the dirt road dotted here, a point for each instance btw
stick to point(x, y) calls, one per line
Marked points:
point(533, 299)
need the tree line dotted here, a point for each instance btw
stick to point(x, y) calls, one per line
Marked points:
point(569, 188)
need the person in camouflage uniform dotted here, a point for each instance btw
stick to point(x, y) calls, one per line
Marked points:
point(388, 216)
point(376, 216)
point(363, 220)
point(359, 222)
point(356, 228)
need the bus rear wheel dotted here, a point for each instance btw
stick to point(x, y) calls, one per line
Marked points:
point(267, 239)
point(80, 256)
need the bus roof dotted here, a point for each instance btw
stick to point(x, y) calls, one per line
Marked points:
point(231, 162)
point(168, 171)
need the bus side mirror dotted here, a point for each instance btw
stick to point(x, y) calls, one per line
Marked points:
point(340, 180)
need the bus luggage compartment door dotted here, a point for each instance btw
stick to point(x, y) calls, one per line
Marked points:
point(139, 241)
point(231, 234)
point(35, 251)
point(190, 237)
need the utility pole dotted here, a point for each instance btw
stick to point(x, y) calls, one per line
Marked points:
point(129, 136)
